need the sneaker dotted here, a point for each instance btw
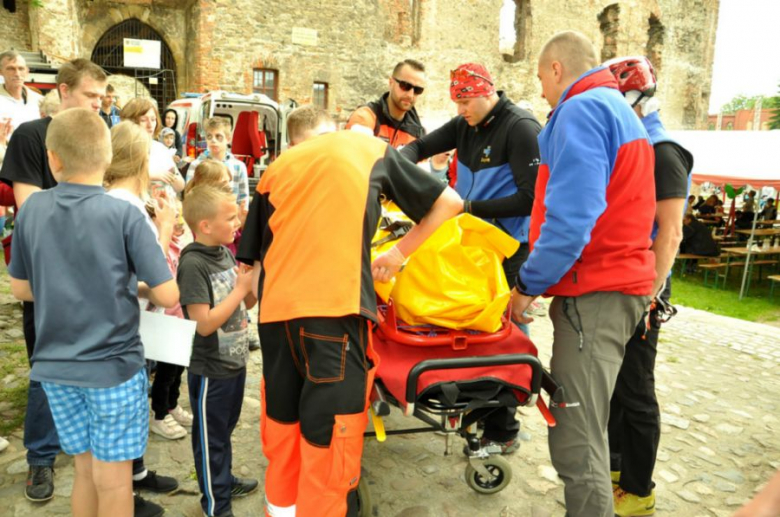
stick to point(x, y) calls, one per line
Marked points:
point(167, 428)
point(631, 505)
point(155, 483)
point(144, 508)
point(3, 444)
point(40, 484)
point(494, 447)
point(182, 416)
point(243, 486)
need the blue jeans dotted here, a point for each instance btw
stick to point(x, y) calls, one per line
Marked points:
point(40, 434)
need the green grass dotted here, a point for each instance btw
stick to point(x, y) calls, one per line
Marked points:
point(13, 361)
point(756, 306)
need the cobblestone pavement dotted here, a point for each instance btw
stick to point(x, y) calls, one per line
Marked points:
point(718, 380)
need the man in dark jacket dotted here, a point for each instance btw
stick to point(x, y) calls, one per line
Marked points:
point(497, 161)
point(697, 238)
point(393, 117)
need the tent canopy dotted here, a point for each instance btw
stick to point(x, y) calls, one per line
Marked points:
point(735, 157)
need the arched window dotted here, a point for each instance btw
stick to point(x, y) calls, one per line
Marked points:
point(109, 54)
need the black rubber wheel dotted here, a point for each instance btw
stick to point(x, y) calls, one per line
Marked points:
point(498, 467)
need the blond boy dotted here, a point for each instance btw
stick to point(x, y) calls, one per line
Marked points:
point(89, 358)
point(215, 294)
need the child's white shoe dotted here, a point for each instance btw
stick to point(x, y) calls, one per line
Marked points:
point(167, 428)
point(182, 416)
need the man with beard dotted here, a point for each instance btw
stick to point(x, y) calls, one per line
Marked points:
point(392, 117)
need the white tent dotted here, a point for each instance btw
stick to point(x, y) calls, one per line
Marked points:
point(735, 157)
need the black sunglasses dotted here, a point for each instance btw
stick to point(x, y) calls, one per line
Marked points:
point(418, 90)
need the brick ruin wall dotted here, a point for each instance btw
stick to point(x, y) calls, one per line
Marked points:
point(217, 43)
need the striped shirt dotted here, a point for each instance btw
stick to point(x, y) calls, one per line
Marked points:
point(240, 182)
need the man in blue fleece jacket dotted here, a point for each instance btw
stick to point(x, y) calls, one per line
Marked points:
point(590, 248)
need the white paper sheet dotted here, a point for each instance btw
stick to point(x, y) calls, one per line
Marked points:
point(167, 338)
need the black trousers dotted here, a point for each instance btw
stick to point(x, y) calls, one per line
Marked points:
point(635, 418)
point(166, 388)
point(216, 408)
point(502, 425)
point(316, 373)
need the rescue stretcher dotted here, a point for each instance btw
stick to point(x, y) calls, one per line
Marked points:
point(451, 381)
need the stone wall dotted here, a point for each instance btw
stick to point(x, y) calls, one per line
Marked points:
point(359, 42)
point(15, 32)
point(350, 54)
point(53, 29)
point(353, 44)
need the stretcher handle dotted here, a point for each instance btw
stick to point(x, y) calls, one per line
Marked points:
point(473, 362)
point(457, 339)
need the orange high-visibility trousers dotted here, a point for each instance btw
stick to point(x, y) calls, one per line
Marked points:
point(317, 374)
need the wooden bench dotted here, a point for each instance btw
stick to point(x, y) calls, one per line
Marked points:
point(683, 258)
point(714, 268)
point(753, 263)
point(773, 279)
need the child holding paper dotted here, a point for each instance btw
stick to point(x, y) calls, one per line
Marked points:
point(127, 178)
point(90, 360)
point(215, 294)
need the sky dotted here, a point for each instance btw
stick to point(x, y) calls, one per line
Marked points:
point(747, 48)
point(747, 51)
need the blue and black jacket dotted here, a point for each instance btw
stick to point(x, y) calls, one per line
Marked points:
point(497, 163)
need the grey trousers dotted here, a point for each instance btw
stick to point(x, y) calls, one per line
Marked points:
point(589, 339)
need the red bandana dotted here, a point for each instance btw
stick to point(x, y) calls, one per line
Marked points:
point(470, 80)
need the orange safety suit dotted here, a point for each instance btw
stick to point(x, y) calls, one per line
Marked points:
point(310, 225)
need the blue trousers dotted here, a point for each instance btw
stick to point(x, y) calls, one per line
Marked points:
point(216, 408)
point(40, 435)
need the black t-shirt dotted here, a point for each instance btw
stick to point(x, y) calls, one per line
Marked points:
point(25, 159)
point(207, 275)
point(673, 164)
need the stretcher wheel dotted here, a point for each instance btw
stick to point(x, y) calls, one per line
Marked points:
point(500, 470)
point(364, 508)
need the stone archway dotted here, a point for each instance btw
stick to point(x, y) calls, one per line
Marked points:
point(108, 53)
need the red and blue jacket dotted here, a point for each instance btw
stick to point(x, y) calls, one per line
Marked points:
point(594, 202)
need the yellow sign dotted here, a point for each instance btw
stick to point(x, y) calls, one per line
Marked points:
point(141, 53)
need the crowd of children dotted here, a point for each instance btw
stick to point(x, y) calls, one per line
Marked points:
point(113, 213)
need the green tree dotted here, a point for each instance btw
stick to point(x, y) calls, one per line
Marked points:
point(740, 102)
point(774, 122)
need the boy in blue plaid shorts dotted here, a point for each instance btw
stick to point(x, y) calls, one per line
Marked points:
point(88, 355)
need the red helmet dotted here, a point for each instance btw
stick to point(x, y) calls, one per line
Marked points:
point(633, 73)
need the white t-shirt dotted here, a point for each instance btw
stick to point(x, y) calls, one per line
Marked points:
point(134, 200)
point(161, 163)
point(160, 160)
point(20, 111)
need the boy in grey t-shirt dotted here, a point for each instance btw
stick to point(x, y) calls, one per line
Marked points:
point(75, 251)
point(215, 294)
